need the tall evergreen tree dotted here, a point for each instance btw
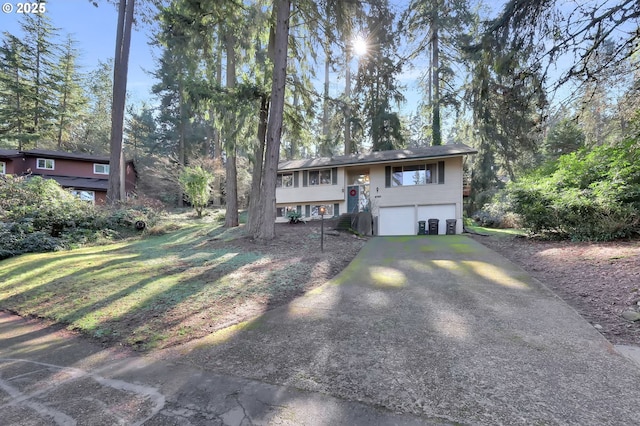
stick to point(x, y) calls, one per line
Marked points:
point(94, 132)
point(71, 100)
point(16, 95)
point(377, 86)
point(42, 59)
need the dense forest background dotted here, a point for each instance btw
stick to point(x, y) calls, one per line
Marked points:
point(547, 91)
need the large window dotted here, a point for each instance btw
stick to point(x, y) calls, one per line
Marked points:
point(45, 164)
point(284, 211)
point(284, 180)
point(3, 168)
point(315, 210)
point(101, 169)
point(419, 174)
point(320, 177)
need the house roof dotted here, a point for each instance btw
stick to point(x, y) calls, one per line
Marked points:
point(6, 153)
point(440, 151)
point(9, 153)
point(93, 184)
point(67, 155)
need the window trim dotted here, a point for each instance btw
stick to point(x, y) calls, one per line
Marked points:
point(53, 164)
point(324, 169)
point(432, 167)
point(281, 176)
point(3, 168)
point(95, 172)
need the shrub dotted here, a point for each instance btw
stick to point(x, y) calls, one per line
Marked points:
point(196, 183)
point(498, 213)
point(38, 215)
point(587, 195)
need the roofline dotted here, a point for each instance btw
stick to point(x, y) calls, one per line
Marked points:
point(61, 155)
point(360, 161)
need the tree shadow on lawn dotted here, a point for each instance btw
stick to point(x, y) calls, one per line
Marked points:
point(160, 291)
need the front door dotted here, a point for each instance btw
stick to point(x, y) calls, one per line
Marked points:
point(353, 195)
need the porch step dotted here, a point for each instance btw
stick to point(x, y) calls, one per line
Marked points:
point(345, 222)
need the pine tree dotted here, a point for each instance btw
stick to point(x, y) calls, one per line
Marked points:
point(377, 87)
point(71, 102)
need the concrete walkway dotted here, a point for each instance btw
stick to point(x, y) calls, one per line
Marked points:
point(417, 330)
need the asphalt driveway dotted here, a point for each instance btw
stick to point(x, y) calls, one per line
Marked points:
point(417, 330)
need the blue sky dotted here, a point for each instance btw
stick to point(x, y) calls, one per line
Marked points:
point(94, 28)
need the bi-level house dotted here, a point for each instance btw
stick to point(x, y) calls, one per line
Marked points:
point(400, 188)
point(87, 176)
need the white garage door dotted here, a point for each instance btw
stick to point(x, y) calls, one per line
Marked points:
point(397, 221)
point(440, 212)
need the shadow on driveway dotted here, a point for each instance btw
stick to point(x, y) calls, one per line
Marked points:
point(437, 326)
point(417, 330)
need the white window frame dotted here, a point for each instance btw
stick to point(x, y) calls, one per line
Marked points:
point(3, 168)
point(281, 180)
point(45, 160)
point(319, 181)
point(105, 168)
point(88, 196)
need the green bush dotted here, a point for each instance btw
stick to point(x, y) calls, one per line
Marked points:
point(591, 194)
point(38, 215)
point(196, 183)
point(498, 213)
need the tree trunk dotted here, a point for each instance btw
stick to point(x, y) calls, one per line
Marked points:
point(231, 198)
point(325, 111)
point(435, 79)
point(182, 136)
point(266, 229)
point(348, 149)
point(121, 65)
point(256, 178)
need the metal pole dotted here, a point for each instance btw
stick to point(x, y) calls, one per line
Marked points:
point(322, 232)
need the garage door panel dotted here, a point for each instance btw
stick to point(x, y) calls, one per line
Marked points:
point(396, 221)
point(441, 212)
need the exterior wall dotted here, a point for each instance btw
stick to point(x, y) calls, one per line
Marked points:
point(450, 192)
point(416, 197)
point(130, 179)
point(64, 167)
point(13, 166)
point(313, 195)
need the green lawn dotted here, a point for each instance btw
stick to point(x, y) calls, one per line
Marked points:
point(146, 293)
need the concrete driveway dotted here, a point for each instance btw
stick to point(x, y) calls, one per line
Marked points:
point(417, 330)
point(441, 327)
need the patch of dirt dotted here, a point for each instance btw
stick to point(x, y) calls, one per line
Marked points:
point(599, 280)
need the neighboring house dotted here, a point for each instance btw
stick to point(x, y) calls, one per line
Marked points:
point(86, 175)
point(400, 188)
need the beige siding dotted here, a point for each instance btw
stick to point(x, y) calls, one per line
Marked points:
point(411, 196)
point(448, 193)
point(312, 194)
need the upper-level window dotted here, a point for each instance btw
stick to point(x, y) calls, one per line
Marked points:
point(101, 169)
point(320, 177)
point(46, 164)
point(419, 174)
point(284, 180)
point(3, 168)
